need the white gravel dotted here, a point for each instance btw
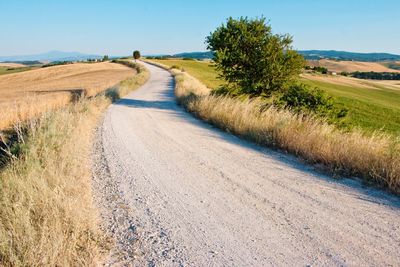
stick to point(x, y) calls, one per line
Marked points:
point(173, 191)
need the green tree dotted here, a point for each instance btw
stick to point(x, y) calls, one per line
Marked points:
point(136, 54)
point(251, 58)
point(105, 58)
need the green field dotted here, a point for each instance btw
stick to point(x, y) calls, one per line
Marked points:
point(201, 70)
point(369, 109)
point(8, 70)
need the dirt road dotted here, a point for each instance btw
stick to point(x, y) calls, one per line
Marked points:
point(175, 191)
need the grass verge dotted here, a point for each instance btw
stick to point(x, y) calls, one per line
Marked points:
point(375, 158)
point(47, 216)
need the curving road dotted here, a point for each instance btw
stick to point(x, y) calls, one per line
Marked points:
point(173, 190)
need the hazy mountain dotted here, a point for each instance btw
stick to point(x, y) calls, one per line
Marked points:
point(51, 56)
point(316, 54)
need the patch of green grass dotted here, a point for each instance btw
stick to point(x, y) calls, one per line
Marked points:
point(201, 70)
point(8, 70)
point(369, 109)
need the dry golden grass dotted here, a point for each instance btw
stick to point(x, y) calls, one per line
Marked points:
point(350, 66)
point(27, 94)
point(30, 107)
point(47, 217)
point(353, 82)
point(374, 158)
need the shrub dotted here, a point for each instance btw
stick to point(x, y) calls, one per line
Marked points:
point(301, 98)
point(322, 70)
point(344, 73)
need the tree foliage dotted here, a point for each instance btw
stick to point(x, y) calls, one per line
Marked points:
point(251, 58)
point(136, 54)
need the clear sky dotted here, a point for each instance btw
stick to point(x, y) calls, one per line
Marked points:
point(116, 27)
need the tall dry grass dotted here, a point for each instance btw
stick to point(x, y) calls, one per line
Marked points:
point(29, 107)
point(374, 158)
point(47, 217)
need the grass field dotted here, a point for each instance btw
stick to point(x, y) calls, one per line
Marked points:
point(372, 107)
point(9, 70)
point(26, 94)
point(201, 70)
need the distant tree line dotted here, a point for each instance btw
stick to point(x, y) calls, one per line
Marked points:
point(25, 62)
point(158, 57)
point(165, 57)
point(56, 63)
point(376, 75)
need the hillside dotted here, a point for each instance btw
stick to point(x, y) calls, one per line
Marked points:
point(351, 66)
point(195, 55)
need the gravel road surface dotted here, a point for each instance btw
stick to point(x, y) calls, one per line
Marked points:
point(174, 191)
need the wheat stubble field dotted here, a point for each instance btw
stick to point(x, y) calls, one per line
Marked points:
point(351, 66)
point(26, 94)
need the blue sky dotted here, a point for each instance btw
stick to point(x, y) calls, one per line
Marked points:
point(155, 26)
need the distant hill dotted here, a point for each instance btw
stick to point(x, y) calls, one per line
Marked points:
point(195, 55)
point(343, 55)
point(50, 56)
point(351, 66)
point(315, 55)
